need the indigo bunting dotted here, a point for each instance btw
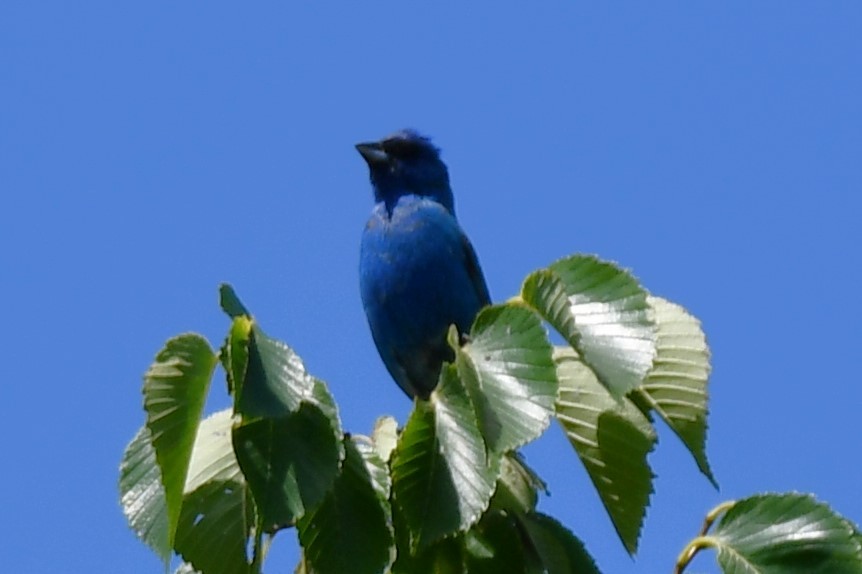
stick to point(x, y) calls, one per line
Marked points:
point(418, 272)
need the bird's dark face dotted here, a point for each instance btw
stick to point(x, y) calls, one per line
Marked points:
point(406, 163)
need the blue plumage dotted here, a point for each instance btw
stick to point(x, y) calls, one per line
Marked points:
point(418, 272)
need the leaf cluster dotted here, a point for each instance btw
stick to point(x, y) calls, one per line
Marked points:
point(448, 492)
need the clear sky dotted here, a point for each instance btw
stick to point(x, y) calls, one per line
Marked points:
point(149, 151)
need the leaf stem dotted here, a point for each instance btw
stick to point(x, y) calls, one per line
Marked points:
point(713, 514)
point(261, 547)
point(689, 552)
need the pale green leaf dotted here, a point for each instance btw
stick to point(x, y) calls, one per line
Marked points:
point(385, 436)
point(675, 388)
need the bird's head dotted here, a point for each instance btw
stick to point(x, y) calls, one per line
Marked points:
point(407, 163)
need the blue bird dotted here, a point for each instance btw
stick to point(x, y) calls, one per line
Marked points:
point(418, 272)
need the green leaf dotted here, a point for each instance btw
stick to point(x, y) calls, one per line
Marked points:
point(612, 438)
point(350, 530)
point(675, 388)
point(378, 472)
point(385, 436)
point(230, 303)
point(217, 514)
point(142, 495)
point(175, 387)
point(495, 546)
point(559, 551)
point(518, 486)
point(289, 462)
point(276, 382)
point(441, 478)
point(785, 534)
point(444, 557)
point(234, 352)
point(213, 458)
point(508, 370)
point(214, 527)
point(602, 311)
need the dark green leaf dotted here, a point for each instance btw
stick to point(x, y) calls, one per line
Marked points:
point(508, 370)
point(518, 486)
point(214, 525)
point(675, 388)
point(350, 530)
point(602, 311)
point(289, 462)
point(785, 534)
point(442, 480)
point(175, 387)
point(217, 514)
point(559, 551)
point(495, 546)
point(230, 302)
point(276, 382)
point(142, 495)
point(612, 438)
point(444, 557)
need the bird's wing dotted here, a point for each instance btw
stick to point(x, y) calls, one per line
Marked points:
point(475, 272)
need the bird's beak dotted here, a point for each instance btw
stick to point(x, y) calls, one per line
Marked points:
point(372, 153)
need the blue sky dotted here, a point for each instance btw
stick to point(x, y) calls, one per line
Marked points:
point(150, 151)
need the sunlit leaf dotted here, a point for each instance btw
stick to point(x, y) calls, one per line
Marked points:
point(508, 370)
point(675, 388)
point(612, 438)
point(142, 495)
point(385, 436)
point(442, 481)
point(785, 534)
point(602, 311)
